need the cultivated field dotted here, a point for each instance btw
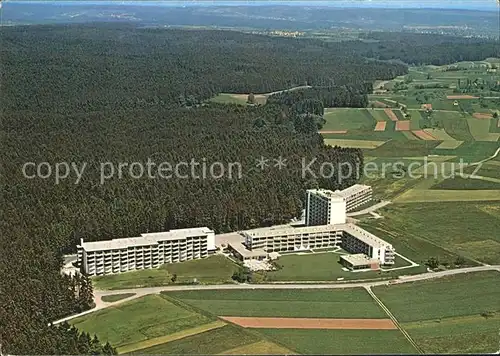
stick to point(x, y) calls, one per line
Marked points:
point(353, 143)
point(442, 229)
point(271, 314)
point(449, 145)
point(455, 220)
point(143, 321)
point(311, 323)
point(349, 303)
point(403, 125)
point(456, 314)
point(259, 348)
point(210, 342)
point(380, 126)
point(341, 342)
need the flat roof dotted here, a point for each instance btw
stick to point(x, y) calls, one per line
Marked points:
point(326, 193)
point(353, 189)
point(227, 239)
point(364, 236)
point(178, 233)
point(243, 251)
point(290, 230)
point(358, 259)
point(146, 239)
point(349, 228)
point(330, 194)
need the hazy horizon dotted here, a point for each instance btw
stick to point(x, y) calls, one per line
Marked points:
point(444, 4)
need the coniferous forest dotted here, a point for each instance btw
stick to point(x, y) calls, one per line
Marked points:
point(89, 95)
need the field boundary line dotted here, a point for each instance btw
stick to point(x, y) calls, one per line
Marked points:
point(394, 320)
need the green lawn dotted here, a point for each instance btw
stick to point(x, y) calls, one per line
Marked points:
point(341, 342)
point(207, 343)
point(325, 268)
point(214, 269)
point(464, 228)
point(312, 303)
point(388, 134)
point(228, 99)
point(140, 319)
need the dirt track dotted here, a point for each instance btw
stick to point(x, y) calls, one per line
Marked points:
point(311, 323)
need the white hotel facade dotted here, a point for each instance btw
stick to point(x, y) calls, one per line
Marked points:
point(326, 226)
point(348, 236)
point(325, 206)
point(149, 250)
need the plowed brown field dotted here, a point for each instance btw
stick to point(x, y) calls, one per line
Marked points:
point(403, 125)
point(421, 134)
point(391, 115)
point(311, 323)
point(380, 126)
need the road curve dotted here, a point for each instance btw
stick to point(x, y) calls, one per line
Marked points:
point(139, 292)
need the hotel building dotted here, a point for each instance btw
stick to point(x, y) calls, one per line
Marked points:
point(349, 237)
point(293, 239)
point(150, 250)
point(355, 195)
point(324, 207)
point(356, 240)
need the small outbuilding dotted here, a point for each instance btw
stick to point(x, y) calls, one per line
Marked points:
point(359, 261)
point(241, 252)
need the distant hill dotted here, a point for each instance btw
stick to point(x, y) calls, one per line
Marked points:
point(273, 16)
